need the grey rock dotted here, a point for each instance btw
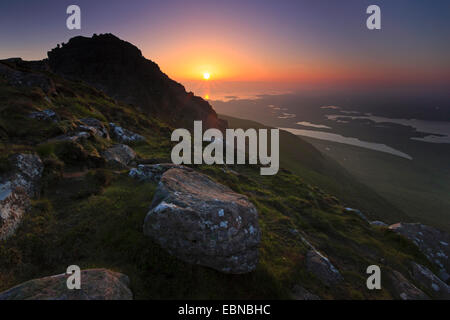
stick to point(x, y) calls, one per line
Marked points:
point(404, 289)
point(27, 172)
point(94, 126)
point(378, 223)
point(16, 189)
point(13, 205)
point(203, 222)
point(357, 212)
point(45, 115)
point(321, 266)
point(119, 156)
point(433, 243)
point(152, 172)
point(427, 279)
point(124, 135)
point(96, 284)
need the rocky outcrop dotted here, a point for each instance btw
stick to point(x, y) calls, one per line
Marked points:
point(321, 267)
point(434, 243)
point(124, 135)
point(427, 279)
point(95, 127)
point(45, 115)
point(152, 172)
point(119, 69)
point(26, 79)
point(96, 284)
point(16, 189)
point(405, 290)
point(119, 156)
point(203, 222)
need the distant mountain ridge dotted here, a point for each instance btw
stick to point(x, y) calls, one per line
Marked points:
point(119, 69)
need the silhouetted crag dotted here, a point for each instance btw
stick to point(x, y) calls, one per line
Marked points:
point(119, 69)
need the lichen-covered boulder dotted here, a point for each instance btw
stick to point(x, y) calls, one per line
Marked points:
point(434, 244)
point(119, 156)
point(96, 284)
point(203, 222)
point(124, 135)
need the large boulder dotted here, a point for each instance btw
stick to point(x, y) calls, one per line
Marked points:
point(405, 290)
point(428, 280)
point(203, 222)
point(96, 284)
point(119, 156)
point(16, 188)
point(434, 243)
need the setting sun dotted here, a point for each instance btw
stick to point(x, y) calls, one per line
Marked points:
point(206, 75)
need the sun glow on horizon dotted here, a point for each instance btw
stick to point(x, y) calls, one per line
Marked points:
point(206, 75)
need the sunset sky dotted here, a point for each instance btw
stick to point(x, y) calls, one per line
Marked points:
point(254, 41)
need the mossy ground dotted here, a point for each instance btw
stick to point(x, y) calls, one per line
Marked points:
point(92, 216)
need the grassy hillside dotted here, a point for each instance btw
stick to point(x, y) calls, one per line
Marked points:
point(92, 216)
point(418, 189)
point(317, 168)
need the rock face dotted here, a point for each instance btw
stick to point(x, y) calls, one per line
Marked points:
point(124, 135)
point(434, 243)
point(427, 279)
point(96, 284)
point(16, 189)
point(119, 156)
point(321, 266)
point(119, 69)
point(404, 289)
point(203, 222)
